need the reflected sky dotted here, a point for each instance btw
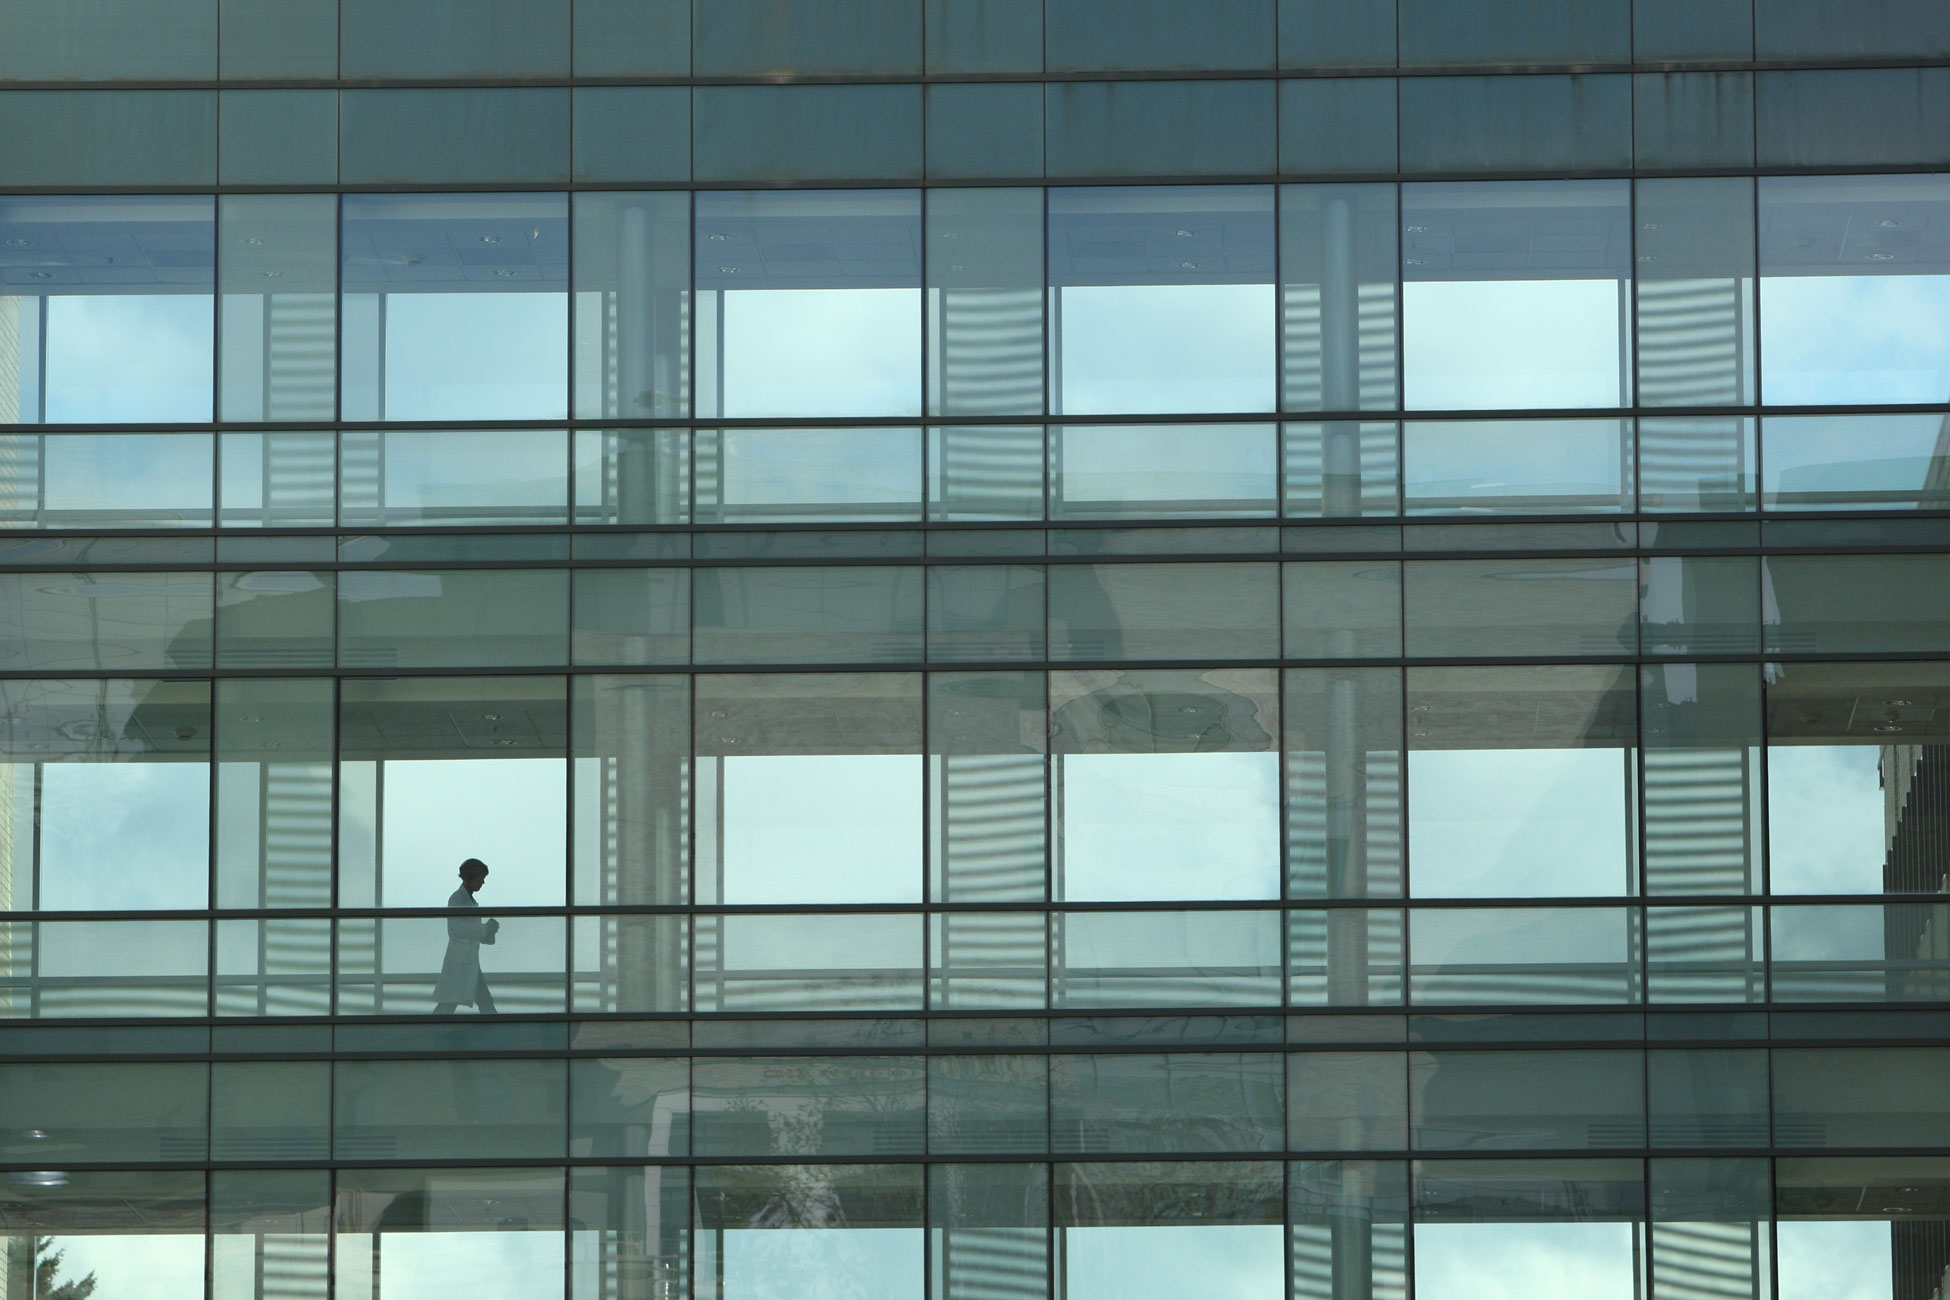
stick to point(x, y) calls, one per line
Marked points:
point(1825, 819)
point(1162, 826)
point(1835, 1261)
point(830, 828)
point(1538, 823)
point(1482, 344)
point(118, 359)
point(123, 836)
point(1214, 1262)
point(1526, 1261)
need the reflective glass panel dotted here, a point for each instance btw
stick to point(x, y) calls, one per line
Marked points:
point(808, 962)
point(1855, 289)
point(1348, 1219)
point(277, 480)
point(449, 1234)
point(270, 1234)
point(632, 476)
point(1208, 471)
point(1569, 1227)
point(278, 314)
point(274, 792)
point(1338, 297)
point(444, 1110)
point(1865, 462)
point(1161, 299)
point(1550, 467)
point(1515, 294)
point(987, 736)
point(632, 299)
point(140, 1232)
point(1154, 1102)
point(1555, 1100)
point(422, 965)
point(1340, 468)
point(629, 1227)
point(121, 622)
point(1165, 959)
point(1504, 955)
point(775, 476)
point(106, 480)
point(1166, 784)
point(411, 477)
point(106, 313)
point(1860, 1227)
point(1131, 1229)
point(55, 969)
point(455, 307)
point(1695, 293)
point(764, 1231)
point(809, 1105)
point(985, 300)
point(809, 303)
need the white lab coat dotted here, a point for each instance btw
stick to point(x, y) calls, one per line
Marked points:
point(460, 971)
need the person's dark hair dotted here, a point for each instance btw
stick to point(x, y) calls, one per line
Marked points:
point(473, 864)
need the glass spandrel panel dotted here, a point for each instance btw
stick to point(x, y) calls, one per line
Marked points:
point(100, 1112)
point(988, 737)
point(1549, 467)
point(809, 1105)
point(449, 1234)
point(454, 307)
point(1207, 471)
point(277, 313)
point(412, 477)
point(275, 966)
point(1698, 463)
point(107, 480)
point(988, 1104)
point(1348, 1218)
point(1342, 610)
point(1695, 291)
point(631, 616)
point(270, 1234)
point(632, 299)
point(1345, 957)
point(1344, 773)
point(1161, 299)
point(278, 38)
point(1874, 604)
point(1699, 604)
point(808, 303)
point(274, 792)
point(1346, 1101)
point(453, 618)
point(631, 768)
point(762, 1230)
point(139, 969)
point(1479, 1223)
point(1149, 1229)
point(985, 472)
point(110, 780)
point(632, 476)
point(1521, 782)
point(1853, 765)
point(1855, 462)
point(1512, 1101)
point(1165, 784)
point(396, 966)
point(124, 622)
point(277, 480)
point(985, 301)
point(1514, 31)
point(1708, 1097)
point(1165, 959)
point(1855, 285)
point(1157, 1102)
point(629, 1230)
point(979, 1213)
point(1339, 469)
point(1523, 955)
point(809, 788)
point(774, 476)
point(807, 614)
point(1163, 611)
point(1515, 294)
point(1537, 608)
point(107, 314)
point(280, 619)
point(985, 612)
point(808, 962)
point(1857, 1097)
point(271, 1110)
point(435, 1110)
point(629, 1106)
point(1339, 301)
point(139, 1232)
point(435, 771)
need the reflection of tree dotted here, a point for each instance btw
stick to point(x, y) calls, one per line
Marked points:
point(47, 1263)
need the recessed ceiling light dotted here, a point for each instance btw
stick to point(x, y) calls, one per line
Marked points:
point(40, 275)
point(1880, 257)
point(1898, 703)
point(1182, 233)
point(18, 242)
point(505, 274)
point(1417, 230)
point(1888, 223)
point(1886, 727)
point(718, 239)
point(490, 239)
point(727, 270)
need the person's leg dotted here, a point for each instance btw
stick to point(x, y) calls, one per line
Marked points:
point(444, 1008)
point(483, 1000)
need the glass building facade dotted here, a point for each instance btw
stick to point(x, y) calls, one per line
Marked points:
point(1095, 649)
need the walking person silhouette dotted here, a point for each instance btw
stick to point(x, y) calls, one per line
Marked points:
point(461, 980)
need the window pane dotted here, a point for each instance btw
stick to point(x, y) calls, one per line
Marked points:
point(115, 621)
point(1338, 299)
point(1347, 1101)
point(1551, 467)
point(117, 777)
point(1163, 611)
point(990, 1231)
point(1508, 955)
point(127, 1113)
point(1853, 289)
point(1161, 299)
point(1842, 603)
point(276, 966)
point(1514, 294)
point(426, 782)
point(274, 792)
point(809, 788)
point(1348, 1218)
point(1130, 1230)
point(105, 968)
point(632, 298)
point(449, 1234)
point(629, 1227)
point(806, 962)
point(859, 614)
point(1695, 291)
point(985, 472)
point(109, 308)
point(809, 303)
point(454, 618)
point(270, 1234)
point(140, 1232)
point(1344, 783)
point(774, 476)
point(107, 480)
point(1484, 1224)
point(455, 306)
point(1860, 953)
point(1701, 462)
point(1165, 959)
point(400, 966)
point(985, 301)
point(632, 476)
point(1166, 785)
point(1860, 1228)
point(277, 480)
point(632, 771)
point(1340, 468)
point(1521, 782)
point(988, 734)
point(1556, 1100)
point(758, 1226)
point(1869, 462)
point(444, 1110)
point(1213, 471)
point(410, 477)
point(988, 1104)
point(1145, 1102)
point(832, 1106)
point(278, 315)
point(1345, 957)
